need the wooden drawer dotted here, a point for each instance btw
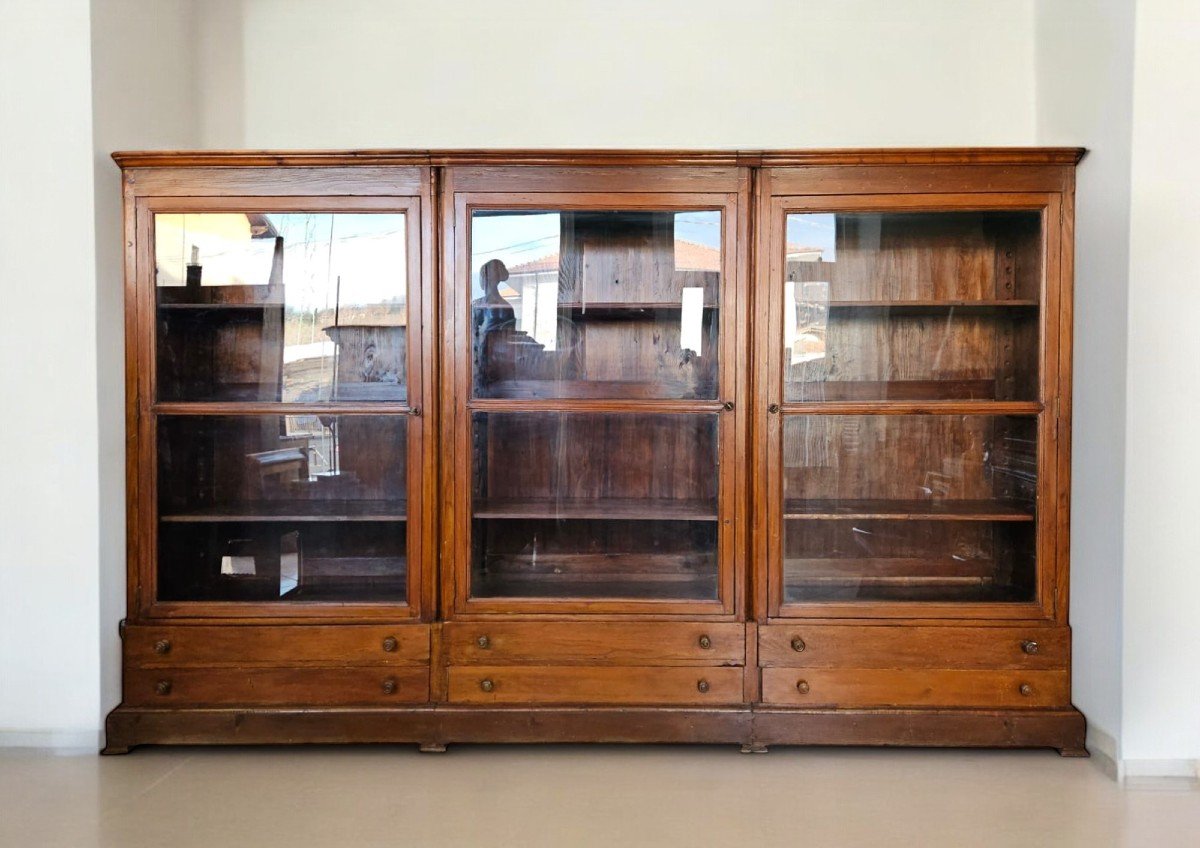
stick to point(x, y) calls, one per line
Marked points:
point(632, 685)
point(224, 687)
point(857, 687)
point(873, 646)
point(233, 645)
point(607, 643)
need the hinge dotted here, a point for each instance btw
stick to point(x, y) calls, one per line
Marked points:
point(121, 629)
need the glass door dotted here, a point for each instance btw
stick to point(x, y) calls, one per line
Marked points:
point(286, 356)
point(908, 445)
point(597, 429)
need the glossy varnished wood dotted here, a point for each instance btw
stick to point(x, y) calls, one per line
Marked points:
point(599, 643)
point(851, 688)
point(128, 727)
point(806, 645)
point(635, 685)
point(309, 686)
point(574, 669)
point(277, 645)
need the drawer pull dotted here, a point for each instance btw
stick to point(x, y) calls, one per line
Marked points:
point(705, 642)
point(487, 685)
point(389, 686)
point(802, 687)
point(390, 644)
point(484, 642)
point(1026, 689)
point(798, 644)
point(162, 646)
point(702, 685)
point(163, 687)
point(1029, 646)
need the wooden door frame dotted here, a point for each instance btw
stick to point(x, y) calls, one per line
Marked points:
point(775, 202)
point(198, 191)
point(467, 189)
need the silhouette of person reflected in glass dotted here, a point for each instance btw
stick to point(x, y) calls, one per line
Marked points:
point(496, 312)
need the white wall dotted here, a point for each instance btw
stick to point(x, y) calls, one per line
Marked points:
point(131, 108)
point(691, 73)
point(49, 510)
point(62, 492)
point(1162, 524)
point(1085, 98)
point(618, 73)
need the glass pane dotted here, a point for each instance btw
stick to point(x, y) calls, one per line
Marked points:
point(594, 505)
point(912, 306)
point(292, 306)
point(909, 507)
point(282, 507)
point(569, 304)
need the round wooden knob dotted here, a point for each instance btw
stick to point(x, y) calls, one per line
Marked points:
point(162, 646)
point(798, 644)
point(705, 642)
point(484, 642)
point(702, 685)
point(487, 685)
point(163, 687)
point(1026, 689)
point(1029, 646)
point(390, 644)
point(802, 687)
point(389, 686)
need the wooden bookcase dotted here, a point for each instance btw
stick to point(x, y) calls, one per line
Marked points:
point(728, 447)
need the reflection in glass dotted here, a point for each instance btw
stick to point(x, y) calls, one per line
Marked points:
point(594, 505)
point(296, 307)
point(909, 507)
point(912, 306)
point(620, 304)
point(282, 507)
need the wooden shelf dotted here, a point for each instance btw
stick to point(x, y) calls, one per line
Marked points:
point(906, 510)
point(293, 511)
point(609, 309)
point(872, 571)
point(606, 509)
point(218, 307)
point(391, 589)
point(926, 304)
point(908, 390)
point(546, 587)
point(596, 390)
point(976, 593)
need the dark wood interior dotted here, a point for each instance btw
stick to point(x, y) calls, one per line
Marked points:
point(517, 447)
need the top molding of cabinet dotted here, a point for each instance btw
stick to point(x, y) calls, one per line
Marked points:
point(747, 158)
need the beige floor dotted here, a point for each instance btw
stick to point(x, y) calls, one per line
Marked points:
point(581, 796)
